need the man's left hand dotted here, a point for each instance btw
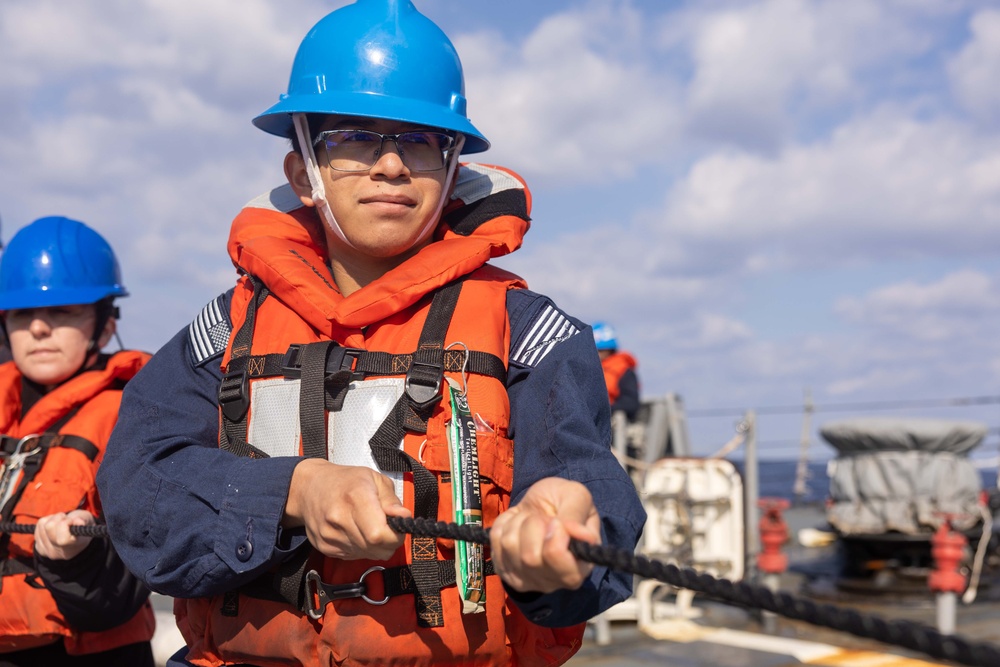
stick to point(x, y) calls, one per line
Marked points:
point(530, 541)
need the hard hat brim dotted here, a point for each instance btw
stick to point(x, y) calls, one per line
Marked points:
point(278, 119)
point(42, 298)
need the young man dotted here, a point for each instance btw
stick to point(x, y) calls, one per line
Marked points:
point(619, 371)
point(64, 599)
point(370, 364)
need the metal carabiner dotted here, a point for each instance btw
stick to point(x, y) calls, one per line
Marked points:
point(322, 593)
point(20, 446)
point(13, 464)
point(373, 568)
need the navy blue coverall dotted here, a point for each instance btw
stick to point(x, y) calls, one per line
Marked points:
point(178, 507)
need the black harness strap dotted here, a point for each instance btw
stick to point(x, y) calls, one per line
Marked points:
point(283, 584)
point(234, 390)
point(8, 444)
point(312, 399)
point(364, 363)
point(29, 469)
point(325, 370)
point(396, 580)
point(399, 581)
point(33, 464)
point(422, 392)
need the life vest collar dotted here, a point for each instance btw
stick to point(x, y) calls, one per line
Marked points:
point(120, 368)
point(282, 243)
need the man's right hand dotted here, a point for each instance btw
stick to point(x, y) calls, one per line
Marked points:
point(344, 510)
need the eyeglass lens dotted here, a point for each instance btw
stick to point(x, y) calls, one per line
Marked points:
point(358, 150)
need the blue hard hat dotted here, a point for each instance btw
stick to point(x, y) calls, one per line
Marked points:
point(377, 59)
point(604, 336)
point(56, 261)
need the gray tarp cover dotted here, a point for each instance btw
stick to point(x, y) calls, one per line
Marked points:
point(897, 474)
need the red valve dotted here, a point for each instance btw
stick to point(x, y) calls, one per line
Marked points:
point(948, 549)
point(773, 535)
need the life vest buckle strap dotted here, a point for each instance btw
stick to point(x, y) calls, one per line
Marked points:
point(319, 594)
point(234, 395)
point(339, 359)
point(425, 377)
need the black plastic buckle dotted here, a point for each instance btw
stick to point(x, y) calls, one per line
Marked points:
point(291, 367)
point(339, 359)
point(342, 359)
point(234, 395)
point(423, 383)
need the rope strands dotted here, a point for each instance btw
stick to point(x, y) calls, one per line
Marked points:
point(96, 530)
point(906, 634)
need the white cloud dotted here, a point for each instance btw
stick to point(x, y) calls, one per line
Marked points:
point(974, 70)
point(762, 72)
point(748, 64)
point(947, 310)
point(884, 185)
point(135, 117)
point(713, 140)
point(576, 101)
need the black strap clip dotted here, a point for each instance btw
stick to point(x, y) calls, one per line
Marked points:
point(320, 594)
point(424, 379)
point(234, 395)
point(339, 359)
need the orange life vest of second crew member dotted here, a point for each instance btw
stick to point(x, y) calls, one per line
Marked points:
point(615, 365)
point(52, 457)
point(439, 317)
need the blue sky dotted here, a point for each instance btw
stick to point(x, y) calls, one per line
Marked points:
point(763, 196)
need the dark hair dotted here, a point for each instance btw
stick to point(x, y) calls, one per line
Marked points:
point(105, 309)
point(314, 121)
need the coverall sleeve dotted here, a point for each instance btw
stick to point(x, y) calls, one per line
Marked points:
point(187, 518)
point(93, 590)
point(560, 424)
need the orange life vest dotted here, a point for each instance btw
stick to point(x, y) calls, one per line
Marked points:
point(614, 366)
point(382, 345)
point(69, 427)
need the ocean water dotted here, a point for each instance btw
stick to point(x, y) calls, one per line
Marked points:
point(777, 480)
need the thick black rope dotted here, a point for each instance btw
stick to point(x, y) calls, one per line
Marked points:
point(95, 530)
point(907, 634)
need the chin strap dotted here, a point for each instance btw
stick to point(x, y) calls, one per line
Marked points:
point(319, 192)
point(450, 165)
point(315, 178)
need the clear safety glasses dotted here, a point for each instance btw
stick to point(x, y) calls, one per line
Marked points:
point(359, 150)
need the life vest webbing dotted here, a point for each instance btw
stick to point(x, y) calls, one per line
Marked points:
point(234, 390)
point(8, 443)
point(51, 438)
point(30, 468)
point(367, 363)
point(422, 392)
point(283, 584)
point(312, 399)
point(397, 580)
point(33, 464)
point(424, 371)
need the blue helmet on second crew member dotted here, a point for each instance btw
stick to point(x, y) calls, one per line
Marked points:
point(57, 261)
point(604, 336)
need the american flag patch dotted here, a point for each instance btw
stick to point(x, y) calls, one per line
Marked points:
point(548, 329)
point(208, 334)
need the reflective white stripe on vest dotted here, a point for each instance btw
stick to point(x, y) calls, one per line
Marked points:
point(274, 429)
